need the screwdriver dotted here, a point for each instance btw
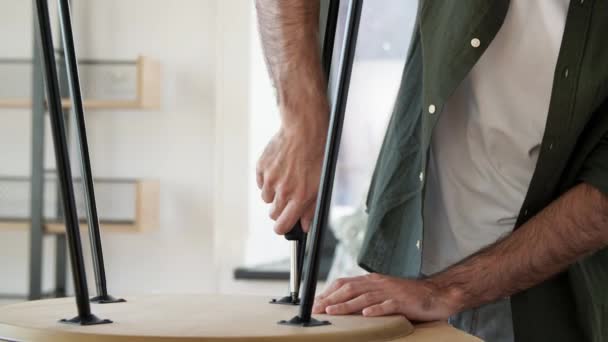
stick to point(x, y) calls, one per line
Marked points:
point(297, 242)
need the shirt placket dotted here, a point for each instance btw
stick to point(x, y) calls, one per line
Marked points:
point(557, 140)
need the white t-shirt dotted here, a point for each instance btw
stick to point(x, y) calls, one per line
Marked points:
point(486, 142)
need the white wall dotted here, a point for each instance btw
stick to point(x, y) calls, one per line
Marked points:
point(15, 137)
point(173, 144)
point(263, 245)
point(231, 128)
point(177, 144)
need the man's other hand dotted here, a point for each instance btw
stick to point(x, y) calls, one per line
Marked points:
point(380, 295)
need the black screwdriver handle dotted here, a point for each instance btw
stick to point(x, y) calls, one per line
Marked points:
point(296, 233)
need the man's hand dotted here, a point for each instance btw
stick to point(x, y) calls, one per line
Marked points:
point(288, 174)
point(380, 295)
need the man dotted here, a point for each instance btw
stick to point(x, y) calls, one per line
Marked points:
point(495, 161)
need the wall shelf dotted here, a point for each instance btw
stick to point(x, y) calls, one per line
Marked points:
point(106, 84)
point(123, 205)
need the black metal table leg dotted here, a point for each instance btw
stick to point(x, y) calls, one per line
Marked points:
point(85, 317)
point(329, 38)
point(37, 177)
point(332, 148)
point(65, 24)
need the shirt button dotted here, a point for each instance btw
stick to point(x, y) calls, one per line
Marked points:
point(475, 42)
point(432, 109)
point(418, 244)
point(566, 73)
point(421, 176)
point(550, 146)
point(525, 212)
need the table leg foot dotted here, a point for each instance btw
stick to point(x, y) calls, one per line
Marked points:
point(287, 300)
point(297, 321)
point(88, 320)
point(107, 299)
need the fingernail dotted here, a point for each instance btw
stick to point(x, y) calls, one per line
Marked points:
point(368, 312)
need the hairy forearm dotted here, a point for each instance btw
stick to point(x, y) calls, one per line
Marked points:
point(573, 226)
point(290, 40)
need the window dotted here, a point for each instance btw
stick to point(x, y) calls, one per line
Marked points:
point(384, 35)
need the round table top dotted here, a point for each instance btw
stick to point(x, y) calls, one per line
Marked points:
point(165, 318)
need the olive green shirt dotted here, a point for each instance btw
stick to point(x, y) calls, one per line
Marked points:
point(571, 306)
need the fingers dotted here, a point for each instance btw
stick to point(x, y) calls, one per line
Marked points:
point(266, 180)
point(288, 173)
point(287, 218)
point(338, 283)
point(357, 304)
point(343, 293)
point(278, 205)
point(388, 307)
point(268, 192)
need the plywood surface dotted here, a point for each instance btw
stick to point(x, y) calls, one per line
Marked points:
point(204, 318)
point(437, 332)
point(188, 318)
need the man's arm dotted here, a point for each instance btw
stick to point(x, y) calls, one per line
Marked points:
point(289, 169)
point(573, 226)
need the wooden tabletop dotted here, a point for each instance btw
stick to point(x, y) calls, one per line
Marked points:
point(162, 318)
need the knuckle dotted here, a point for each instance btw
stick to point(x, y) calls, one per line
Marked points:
point(270, 179)
point(349, 288)
point(368, 297)
point(281, 191)
point(260, 164)
point(339, 282)
point(279, 187)
point(287, 184)
point(299, 197)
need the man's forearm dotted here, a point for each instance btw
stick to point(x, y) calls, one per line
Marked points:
point(573, 226)
point(290, 40)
